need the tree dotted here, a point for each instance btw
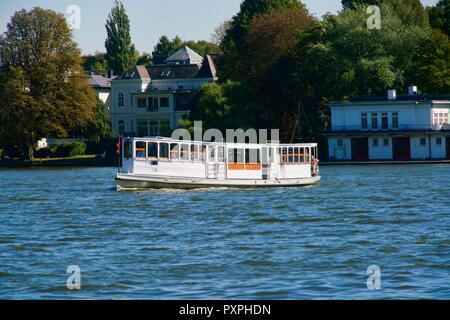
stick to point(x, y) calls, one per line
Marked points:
point(221, 106)
point(202, 47)
point(165, 47)
point(359, 61)
point(439, 16)
point(44, 89)
point(145, 59)
point(411, 12)
point(431, 68)
point(232, 44)
point(268, 57)
point(95, 63)
point(220, 32)
point(120, 52)
point(99, 127)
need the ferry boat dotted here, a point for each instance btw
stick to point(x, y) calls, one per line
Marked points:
point(180, 164)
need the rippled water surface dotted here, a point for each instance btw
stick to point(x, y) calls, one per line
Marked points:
point(301, 243)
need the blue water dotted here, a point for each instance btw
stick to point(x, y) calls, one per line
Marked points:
point(302, 243)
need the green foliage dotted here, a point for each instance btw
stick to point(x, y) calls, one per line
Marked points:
point(120, 52)
point(439, 16)
point(43, 87)
point(69, 149)
point(145, 59)
point(164, 48)
point(95, 63)
point(431, 66)
point(202, 47)
point(233, 42)
point(99, 127)
point(411, 12)
point(359, 60)
point(221, 106)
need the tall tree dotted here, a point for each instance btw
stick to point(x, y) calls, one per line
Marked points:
point(44, 88)
point(233, 42)
point(440, 16)
point(269, 48)
point(120, 52)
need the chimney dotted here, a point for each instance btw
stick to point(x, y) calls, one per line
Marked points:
point(392, 94)
point(412, 90)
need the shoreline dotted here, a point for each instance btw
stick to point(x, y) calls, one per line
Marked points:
point(382, 162)
point(90, 161)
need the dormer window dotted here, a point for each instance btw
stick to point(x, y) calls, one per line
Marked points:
point(166, 73)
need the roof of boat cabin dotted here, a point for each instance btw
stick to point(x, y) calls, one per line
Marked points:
point(228, 144)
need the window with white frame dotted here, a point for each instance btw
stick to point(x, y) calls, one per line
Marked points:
point(440, 118)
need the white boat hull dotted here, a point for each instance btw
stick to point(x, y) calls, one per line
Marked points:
point(133, 181)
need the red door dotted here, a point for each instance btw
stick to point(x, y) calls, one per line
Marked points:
point(401, 149)
point(360, 149)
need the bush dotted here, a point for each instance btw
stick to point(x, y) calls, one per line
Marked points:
point(44, 153)
point(77, 148)
point(71, 149)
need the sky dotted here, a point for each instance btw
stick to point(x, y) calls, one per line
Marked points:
point(150, 19)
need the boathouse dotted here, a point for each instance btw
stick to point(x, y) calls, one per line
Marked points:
point(396, 128)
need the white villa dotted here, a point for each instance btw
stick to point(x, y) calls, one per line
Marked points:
point(102, 87)
point(150, 101)
point(398, 128)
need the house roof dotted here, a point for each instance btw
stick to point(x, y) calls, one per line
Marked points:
point(174, 71)
point(419, 97)
point(100, 81)
point(405, 99)
point(208, 69)
point(184, 55)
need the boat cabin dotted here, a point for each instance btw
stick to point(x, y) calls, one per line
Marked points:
point(210, 160)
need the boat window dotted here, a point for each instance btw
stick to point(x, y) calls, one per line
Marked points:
point(291, 155)
point(252, 156)
point(302, 155)
point(194, 153)
point(163, 151)
point(297, 155)
point(203, 153)
point(152, 150)
point(127, 149)
point(237, 155)
point(174, 151)
point(140, 149)
point(307, 153)
point(211, 153)
point(221, 153)
point(283, 152)
point(184, 152)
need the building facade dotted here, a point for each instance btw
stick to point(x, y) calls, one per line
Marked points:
point(102, 87)
point(396, 128)
point(150, 101)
